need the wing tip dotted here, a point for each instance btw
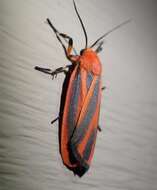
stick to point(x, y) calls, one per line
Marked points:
point(80, 171)
point(82, 166)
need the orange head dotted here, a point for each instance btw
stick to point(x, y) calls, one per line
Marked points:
point(90, 61)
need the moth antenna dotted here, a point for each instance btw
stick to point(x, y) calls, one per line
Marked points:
point(110, 31)
point(83, 27)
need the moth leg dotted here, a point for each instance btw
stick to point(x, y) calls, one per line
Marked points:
point(59, 70)
point(70, 41)
point(54, 73)
point(99, 128)
point(103, 88)
point(44, 70)
point(54, 120)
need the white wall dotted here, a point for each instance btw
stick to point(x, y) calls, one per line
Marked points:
point(125, 155)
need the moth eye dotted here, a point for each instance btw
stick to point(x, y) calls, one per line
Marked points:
point(81, 52)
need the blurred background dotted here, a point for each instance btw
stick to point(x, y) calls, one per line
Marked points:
point(126, 150)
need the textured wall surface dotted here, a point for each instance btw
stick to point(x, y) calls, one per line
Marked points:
point(126, 149)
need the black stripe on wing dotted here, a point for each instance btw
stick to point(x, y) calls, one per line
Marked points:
point(73, 104)
point(80, 130)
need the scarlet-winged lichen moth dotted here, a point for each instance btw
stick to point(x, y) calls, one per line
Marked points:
point(80, 100)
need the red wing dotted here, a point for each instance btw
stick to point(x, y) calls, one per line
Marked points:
point(80, 119)
point(84, 137)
